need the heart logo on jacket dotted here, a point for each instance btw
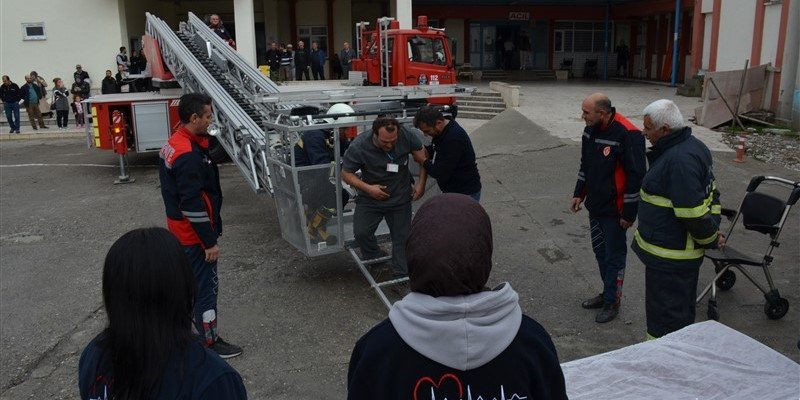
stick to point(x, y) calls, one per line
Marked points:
point(447, 387)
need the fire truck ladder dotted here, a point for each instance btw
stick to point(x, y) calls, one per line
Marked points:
point(383, 26)
point(256, 127)
point(202, 62)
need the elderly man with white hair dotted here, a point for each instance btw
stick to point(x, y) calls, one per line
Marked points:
point(679, 214)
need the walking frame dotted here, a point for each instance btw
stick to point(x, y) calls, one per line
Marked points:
point(759, 212)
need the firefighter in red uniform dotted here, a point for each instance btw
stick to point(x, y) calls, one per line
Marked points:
point(611, 172)
point(193, 198)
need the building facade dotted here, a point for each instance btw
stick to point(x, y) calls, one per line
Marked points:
point(710, 35)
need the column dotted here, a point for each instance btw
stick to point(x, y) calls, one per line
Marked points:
point(245, 29)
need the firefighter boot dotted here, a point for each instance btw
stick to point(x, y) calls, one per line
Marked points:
point(317, 224)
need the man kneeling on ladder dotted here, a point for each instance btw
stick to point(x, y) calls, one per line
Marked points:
point(319, 193)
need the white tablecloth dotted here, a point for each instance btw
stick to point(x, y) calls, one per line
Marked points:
point(703, 361)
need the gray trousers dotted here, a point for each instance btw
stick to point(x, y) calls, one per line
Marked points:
point(366, 219)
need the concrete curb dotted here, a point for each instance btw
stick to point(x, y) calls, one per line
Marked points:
point(44, 135)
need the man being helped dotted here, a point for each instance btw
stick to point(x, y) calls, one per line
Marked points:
point(679, 216)
point(611, 171)
point(452, 158)
point(385, 187)
point(193, 198)
point(319, 193)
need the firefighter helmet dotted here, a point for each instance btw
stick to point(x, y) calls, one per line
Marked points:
point(340, 108)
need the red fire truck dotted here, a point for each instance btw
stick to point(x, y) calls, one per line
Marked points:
point(391, 56)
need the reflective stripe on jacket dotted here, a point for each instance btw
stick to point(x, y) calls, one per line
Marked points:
point(679, 208)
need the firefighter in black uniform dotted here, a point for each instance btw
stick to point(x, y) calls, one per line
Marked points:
point(318, 192)
point(679, 216)
point(611, 171)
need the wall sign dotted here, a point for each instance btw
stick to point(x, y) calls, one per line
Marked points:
point(519, 16)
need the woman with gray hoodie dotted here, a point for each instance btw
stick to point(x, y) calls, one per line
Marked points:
point(452, 337)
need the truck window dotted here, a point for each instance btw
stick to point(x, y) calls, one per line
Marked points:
point(426, 50)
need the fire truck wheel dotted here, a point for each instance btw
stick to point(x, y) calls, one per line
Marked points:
point(217, 152)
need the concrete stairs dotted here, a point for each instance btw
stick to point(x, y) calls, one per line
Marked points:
point(481, 105)
point(493, 75)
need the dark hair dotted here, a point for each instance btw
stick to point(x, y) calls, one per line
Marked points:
point(148, 291)
point(192, 103)
point(603, 104)
point(428, 115)
point(389, 123)
point(6, 77)
point(122, 48)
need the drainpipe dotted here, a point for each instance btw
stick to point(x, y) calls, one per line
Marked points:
point(675, 42)
point(605, 63)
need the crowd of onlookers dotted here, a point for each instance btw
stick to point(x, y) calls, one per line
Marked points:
point(40, 101)
point(287, 63)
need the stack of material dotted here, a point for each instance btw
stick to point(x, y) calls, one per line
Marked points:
point(714, 112)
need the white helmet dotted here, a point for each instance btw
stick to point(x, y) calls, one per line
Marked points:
point(340, 108)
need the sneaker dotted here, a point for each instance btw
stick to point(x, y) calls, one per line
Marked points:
point(608, 313)
point(594, 302)
point(225, 349)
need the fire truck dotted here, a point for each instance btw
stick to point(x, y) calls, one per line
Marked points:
point(390, 56)
point(258, 126)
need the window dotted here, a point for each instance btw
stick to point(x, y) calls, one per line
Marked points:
point(310, 34)
point(579, 37)
point(33, 31)
point(426, 50)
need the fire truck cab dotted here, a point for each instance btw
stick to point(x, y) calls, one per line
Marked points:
point(390, 56)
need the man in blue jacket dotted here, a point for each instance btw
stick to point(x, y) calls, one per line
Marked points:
point(679, 215)
point(193, 199)
point(451, 156)
point(611, 171)
point(317, 62)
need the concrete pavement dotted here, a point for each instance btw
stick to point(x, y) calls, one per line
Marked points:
point(298, 318)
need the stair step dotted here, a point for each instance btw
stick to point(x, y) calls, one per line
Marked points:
point(479, 104)
point(486, 94)
point(475, 115)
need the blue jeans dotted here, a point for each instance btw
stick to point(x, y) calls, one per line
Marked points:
point(205, 303)
point(609, 243)
point(12, 115)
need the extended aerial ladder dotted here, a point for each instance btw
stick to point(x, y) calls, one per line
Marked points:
point(258, 125)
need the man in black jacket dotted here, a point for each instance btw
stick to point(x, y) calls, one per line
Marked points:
point(274, 56)
point(10, 94)
point(679, 217)
point(611, 171)
point(301, 61)
point(451, 158)
point(109, 84)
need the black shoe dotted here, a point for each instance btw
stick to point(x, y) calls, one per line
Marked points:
point(594, 302)
point(45, 127)
point(225, 349)
point(608, 313)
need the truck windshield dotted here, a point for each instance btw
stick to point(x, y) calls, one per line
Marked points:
point(426, 50)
